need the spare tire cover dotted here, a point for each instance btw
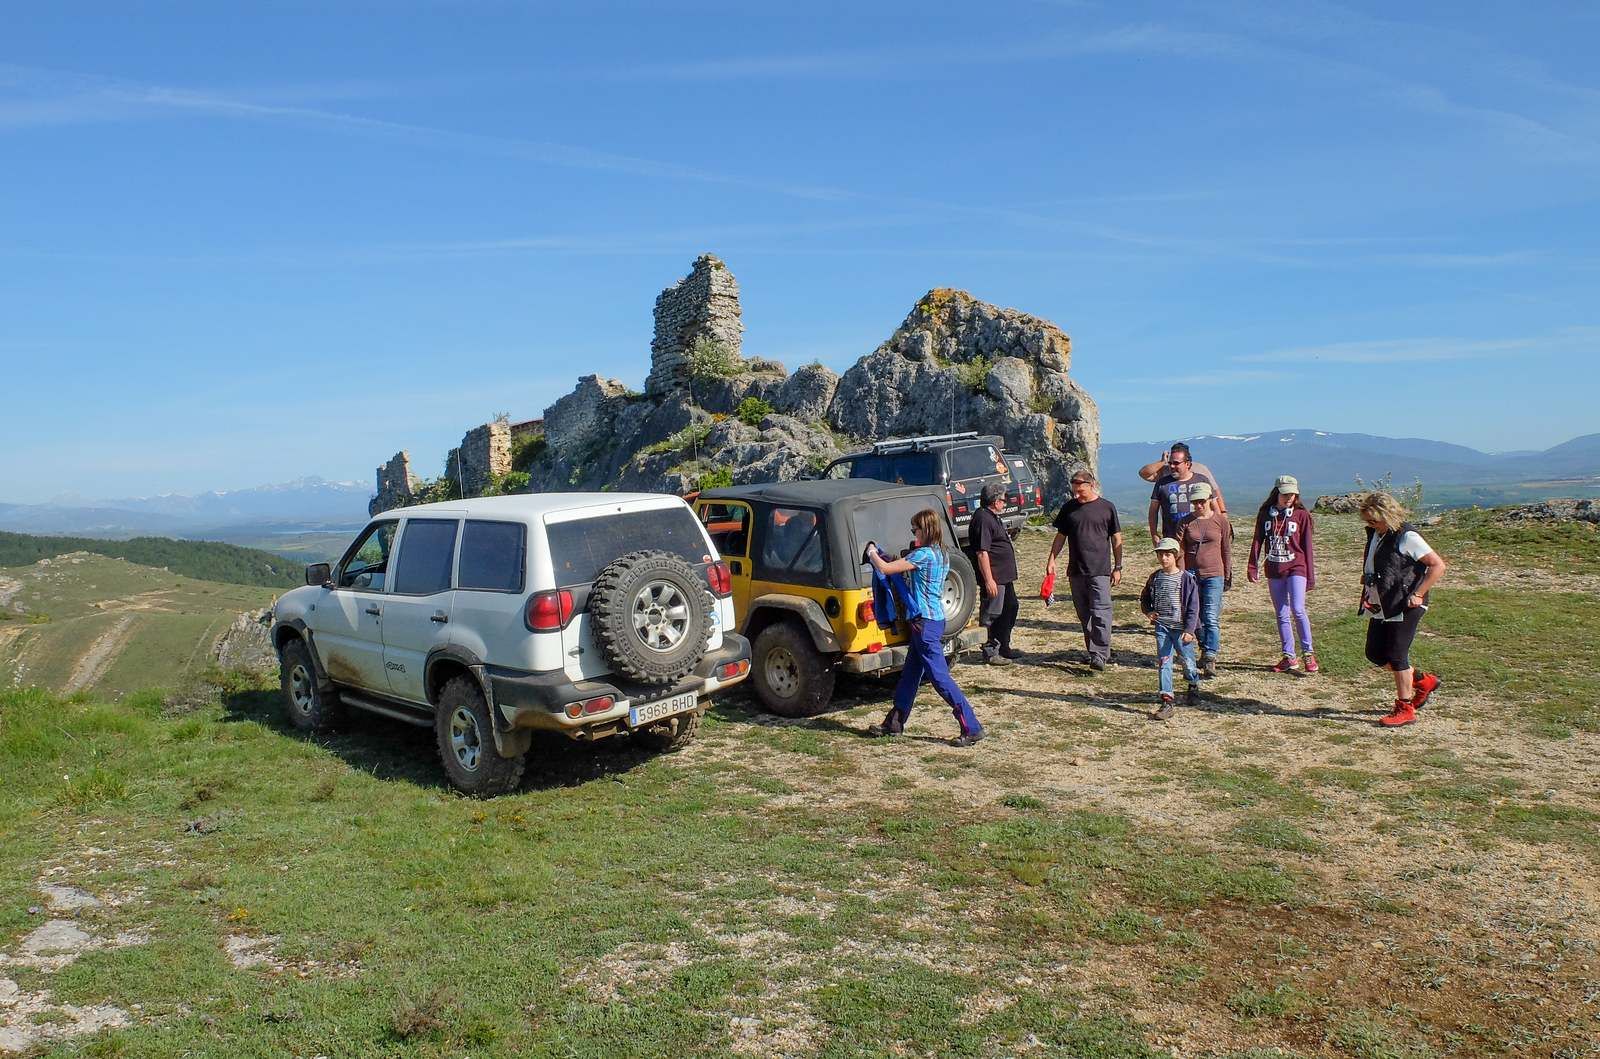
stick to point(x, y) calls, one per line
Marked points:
point(651, 616)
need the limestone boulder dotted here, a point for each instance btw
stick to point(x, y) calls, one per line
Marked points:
point(807, 393)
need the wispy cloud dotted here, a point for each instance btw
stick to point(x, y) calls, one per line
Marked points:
point(1207, 380)
point(99, 99)
point(1436, 349)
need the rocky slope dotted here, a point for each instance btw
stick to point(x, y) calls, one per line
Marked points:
point(954, 363)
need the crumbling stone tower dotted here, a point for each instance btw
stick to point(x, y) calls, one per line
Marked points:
point(703, 303)
point(396, 484)
point(484, 453)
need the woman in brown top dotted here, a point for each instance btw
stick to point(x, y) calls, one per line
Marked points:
point(1206, 538)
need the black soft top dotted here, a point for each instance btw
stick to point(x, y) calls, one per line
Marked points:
point(856, 510)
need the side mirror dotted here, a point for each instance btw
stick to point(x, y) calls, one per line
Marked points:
point(319, 573)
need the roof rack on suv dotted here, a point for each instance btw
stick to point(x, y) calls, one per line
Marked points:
point(918, 444)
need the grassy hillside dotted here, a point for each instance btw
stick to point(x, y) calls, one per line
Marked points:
point(202, 560)
point(1268, 875)
point(82, 622)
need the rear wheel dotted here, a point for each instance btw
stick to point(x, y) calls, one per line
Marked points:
point(462, 731)
point(792, 678)
point(672, 734)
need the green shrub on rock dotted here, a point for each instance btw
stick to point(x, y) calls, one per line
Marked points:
point(752, 410)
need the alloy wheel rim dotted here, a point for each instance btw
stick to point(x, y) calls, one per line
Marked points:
point(465, 741)
point(301, 691)
point(661, 616)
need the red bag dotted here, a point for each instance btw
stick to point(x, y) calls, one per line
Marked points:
point(1047, 591)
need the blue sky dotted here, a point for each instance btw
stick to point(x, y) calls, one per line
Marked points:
point(240, 243)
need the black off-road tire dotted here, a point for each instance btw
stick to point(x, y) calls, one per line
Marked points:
point(670, 735)
point(462, 733)
point(792, 678)
point(659, 587)
point(961, 589)
point(308, 707)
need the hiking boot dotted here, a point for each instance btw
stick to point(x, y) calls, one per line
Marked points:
point(1168, 708)
point(1193, 698)
point(1403, 714)
point(995, 658)
point(967, 738)
point(1013, 653)
point(1097, 665)
point(1311, 663)
point(1422, 687)
point(1287, 664)
point(1208, 667)
point(889, 727)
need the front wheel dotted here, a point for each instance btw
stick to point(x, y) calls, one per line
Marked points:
point(310, 709)
point(792, 678)
point(461, 728)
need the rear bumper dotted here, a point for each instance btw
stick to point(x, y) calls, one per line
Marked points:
point(892, 658)
point(539, 700)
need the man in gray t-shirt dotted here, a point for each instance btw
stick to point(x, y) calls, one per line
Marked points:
point(1169, 497)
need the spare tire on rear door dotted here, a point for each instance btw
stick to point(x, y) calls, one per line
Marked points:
point(651, 616)
point(960, 595)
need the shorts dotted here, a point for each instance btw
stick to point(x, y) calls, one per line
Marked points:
point(1389, 642)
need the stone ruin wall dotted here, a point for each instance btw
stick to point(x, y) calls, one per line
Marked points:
point(484, 454)
point(703, 303)
point(396, 484)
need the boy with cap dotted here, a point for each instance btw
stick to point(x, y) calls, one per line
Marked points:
point(1171, 601)
point(995, 559)
point(1206, 538)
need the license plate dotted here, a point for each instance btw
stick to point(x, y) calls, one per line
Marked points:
point(651, 712)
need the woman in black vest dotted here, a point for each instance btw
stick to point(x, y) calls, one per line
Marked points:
point(1400, 570)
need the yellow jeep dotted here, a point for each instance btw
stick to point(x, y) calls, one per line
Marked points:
point(802, 590)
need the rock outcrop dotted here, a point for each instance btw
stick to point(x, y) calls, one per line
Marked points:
point(247, 644)
point(1342, 504)
point(709, 415)
point(1560, 509)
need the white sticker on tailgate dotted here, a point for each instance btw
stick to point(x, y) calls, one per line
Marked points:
point(651, 712)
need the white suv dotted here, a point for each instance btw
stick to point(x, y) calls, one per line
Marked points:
point(588, 614)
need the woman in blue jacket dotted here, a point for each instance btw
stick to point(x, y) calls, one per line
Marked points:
point(927, 566)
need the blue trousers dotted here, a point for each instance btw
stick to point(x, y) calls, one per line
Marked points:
point(1169, 642)
point(926, 659)
point(1211, 613)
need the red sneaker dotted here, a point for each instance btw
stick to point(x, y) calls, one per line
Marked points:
point(1286, 664)
point(1311, 663)
point(1422, 687)
point(1403, 714)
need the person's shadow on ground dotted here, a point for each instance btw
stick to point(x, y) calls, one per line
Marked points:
point(1145, 703)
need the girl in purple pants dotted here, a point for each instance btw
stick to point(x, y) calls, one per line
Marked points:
point(1284, 537)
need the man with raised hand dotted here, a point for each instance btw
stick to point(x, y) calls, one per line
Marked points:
point(1169, 498)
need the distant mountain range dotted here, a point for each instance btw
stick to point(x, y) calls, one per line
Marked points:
point(306, 504)
point(1324, 462)
point(308, 512)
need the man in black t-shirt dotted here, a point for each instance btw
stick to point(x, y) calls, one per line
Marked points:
point(996, 562)
point(1088, 523)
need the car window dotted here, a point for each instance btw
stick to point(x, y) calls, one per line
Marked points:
point(888, 523)
point(427, 556)
point(1020, 469)
point(367, 562)
point(580, 549)
point(792, 542)
point(492, 556)
point(974, 461)
point(729, 527)
point(905, 468)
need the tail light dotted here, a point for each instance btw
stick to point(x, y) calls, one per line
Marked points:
point(730, 670)
point(598, 704)
point(950, 502)
point(1038, 496)
point(866, 614)
point(549, 611)
point(720, 579)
